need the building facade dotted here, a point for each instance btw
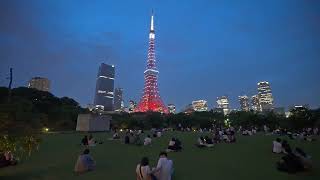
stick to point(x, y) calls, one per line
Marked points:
point(118, 99)
point(39, 83)
point(244, 103)
point(223, 103)
point(104, 88)
point(172, 108)
point(265, 96)
point(132, 106)
point(255, 105)
point(200, 105)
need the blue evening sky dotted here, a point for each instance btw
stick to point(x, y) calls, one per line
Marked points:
point(204, 48)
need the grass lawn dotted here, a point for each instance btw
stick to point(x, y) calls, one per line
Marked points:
point(248, 159)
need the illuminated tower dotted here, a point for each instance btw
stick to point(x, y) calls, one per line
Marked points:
point(151, 100)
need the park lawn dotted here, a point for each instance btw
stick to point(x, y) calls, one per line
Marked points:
point(250, 158)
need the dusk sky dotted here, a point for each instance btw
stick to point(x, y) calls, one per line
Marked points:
point(204, 49)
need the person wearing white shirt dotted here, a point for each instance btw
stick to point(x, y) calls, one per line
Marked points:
point(277, 146)
point(147, 140)
point(143, 170)
point(164, 167)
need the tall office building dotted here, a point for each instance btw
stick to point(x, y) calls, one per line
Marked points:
point(265, 96)
point(200, 105)
point(132, 106)
point(118, 101)
point(39, 83)
point(172, 108)
point(255, 105)
point(223, 103)
point(244, 103)
point(104, 87)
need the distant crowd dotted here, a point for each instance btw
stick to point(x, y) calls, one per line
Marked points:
point(293, 160)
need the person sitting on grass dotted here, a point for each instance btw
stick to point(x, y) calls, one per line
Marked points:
point(147, 141)
point(159, 134)
point(208, 142)
point(290, 163)
point(137, 140)
point(115, 135)
point(217, 138)
point(277, 146)
point(177, 145)
point(91, 141)
point(304, 158)
point(164, 169)
point(171, 146)
point(225, 138)
point(85, 162)
point(143, 170)
point(85, 141)
point(7, 159)
point(201, 142)
point(285, 147)
point(232, 137)
point(127, 139)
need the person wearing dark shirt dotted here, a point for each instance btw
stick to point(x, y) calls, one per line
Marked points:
point(290, 163)
point(85, 141)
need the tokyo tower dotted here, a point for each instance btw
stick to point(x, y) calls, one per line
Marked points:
point(151, 100)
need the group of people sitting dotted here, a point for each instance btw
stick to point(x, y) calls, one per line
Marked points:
point(292, 161)
point(224, 135)
point(133, 138)
point(163, 170)
point(175, 145)
point(89, 141)
point(204, 142)
point(7, 159)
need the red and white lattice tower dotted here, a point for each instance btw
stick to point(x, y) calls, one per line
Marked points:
point(151, 100)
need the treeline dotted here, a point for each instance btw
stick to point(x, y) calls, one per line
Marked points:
point(31, 110)
point(299, 119)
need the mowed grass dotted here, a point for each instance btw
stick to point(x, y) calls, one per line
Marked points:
point(250, 158)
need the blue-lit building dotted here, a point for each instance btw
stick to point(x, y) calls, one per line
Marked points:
point(104, 88)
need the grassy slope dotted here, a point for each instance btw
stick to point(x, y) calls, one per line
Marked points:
point(249, 158)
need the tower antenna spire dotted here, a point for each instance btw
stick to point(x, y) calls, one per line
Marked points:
point(152, 25)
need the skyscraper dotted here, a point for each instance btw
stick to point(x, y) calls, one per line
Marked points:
point(118, 101)
point(244, 103)
point(39, 83)
point(265, 96)
point(151, 100)
point(223, 103)
point(132, 106)
point(200, 105)
point(104, 88)
point(255, 105)
point(172, 108)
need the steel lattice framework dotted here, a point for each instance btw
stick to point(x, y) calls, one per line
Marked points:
point(151, 100)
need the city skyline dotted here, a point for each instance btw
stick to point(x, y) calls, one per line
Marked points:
point(254, 41)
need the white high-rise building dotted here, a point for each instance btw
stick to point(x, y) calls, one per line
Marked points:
point(244, 103)
point(255, 105)
point(223, 103)
point(265, 96)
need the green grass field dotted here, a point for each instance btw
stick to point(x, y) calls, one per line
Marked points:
point(248, 159)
